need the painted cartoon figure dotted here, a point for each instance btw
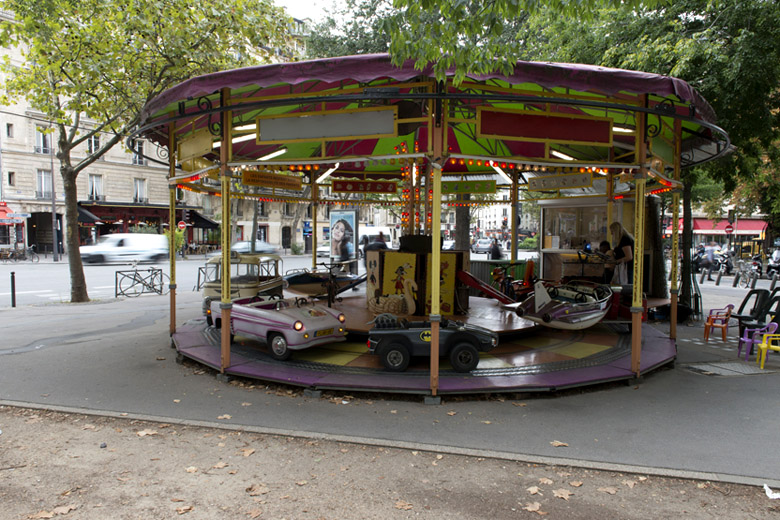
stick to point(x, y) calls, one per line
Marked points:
point(399, 279)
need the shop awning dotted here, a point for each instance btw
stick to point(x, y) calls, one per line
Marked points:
point(743, 226)
point(87, 217)
point(5, 220)
point(200, 221)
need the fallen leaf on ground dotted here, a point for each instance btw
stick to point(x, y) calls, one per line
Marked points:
point(184, 509)
point(452, 413)
point(519, 404)
point(160, 359)
point(575, 483)
point(405, 506)
point(486, 422)
point(301, 483)
point(642, 479)
point(219, 465)
point(545, 480)
point(562, 493)
point(255, 513)
point(257, 489)
point(535, 507)
point(225, 416)
point(42, 514)
point(247, 451)
point(246, 404)
point(534, 490)
point(144, 433)
point(177, 500)
point(192, 469)
point(610, 490)
point(558, 444)
point(630, 483)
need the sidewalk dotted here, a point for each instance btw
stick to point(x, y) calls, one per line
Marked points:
point(113, 358)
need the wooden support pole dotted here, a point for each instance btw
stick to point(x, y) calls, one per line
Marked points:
point(639, 245)
point(675, 230)
point(513, 216)
point(224, 172)
point(172, 224)
point(315, 197)
point(435, 174)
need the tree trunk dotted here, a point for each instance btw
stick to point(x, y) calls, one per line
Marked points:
point(686, 285)
point(78, 283)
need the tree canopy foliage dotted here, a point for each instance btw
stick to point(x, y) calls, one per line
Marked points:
point(90, 66)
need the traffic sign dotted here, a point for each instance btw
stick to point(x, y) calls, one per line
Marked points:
point(19, 215)
point(729, 228)
point(182, 224)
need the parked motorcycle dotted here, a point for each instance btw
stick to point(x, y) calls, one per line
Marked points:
point(724, 262)
point(757, 266)
point(773, 264)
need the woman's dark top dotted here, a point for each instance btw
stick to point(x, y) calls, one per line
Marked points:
point(626, 241)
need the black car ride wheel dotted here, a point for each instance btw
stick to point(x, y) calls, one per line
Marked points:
point(464, 357)
point(395, 357)
point(278, 346)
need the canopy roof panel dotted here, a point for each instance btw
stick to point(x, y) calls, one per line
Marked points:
point(373, 118)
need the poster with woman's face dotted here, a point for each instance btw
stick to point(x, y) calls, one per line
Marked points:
point(343, 232)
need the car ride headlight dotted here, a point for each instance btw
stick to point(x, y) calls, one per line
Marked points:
point(494, 341)
point(298, 325)
point(342, 318)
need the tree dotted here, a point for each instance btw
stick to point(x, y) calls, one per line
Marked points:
point(472, 35)
point(357, 28)
point(729, 51)
point(90, 67)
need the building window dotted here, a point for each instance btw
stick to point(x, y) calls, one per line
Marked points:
point(93, 144)
point(139, 191)
point(95, 187)
point(138, 153)
point(43, 190)
point(9, 130)
point(289, 211)
point(11, 178)
point(42, 140)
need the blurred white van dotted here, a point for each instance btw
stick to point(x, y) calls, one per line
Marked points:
point(369, 234)
point(126, 247)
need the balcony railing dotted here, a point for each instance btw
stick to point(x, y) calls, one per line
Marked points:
point(141, 200)
point(43, 194)
point(43, 149)
point(96, 197)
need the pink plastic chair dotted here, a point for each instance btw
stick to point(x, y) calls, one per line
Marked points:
point(751, 337)
point(718, 318)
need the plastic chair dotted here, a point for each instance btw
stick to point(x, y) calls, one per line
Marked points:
point(719, 319)
point(751, 306)
point(752, 337)
point(765, 346)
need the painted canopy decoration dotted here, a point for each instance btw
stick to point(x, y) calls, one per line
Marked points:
point(370, 119)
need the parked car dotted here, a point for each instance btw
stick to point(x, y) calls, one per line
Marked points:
point(448, 245)
point(323, 249)
point(482, 246)
point(396, 340)
point(243, 246)
point(126, 247)
point(284, 325)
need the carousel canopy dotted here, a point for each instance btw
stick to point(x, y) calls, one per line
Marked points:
point(360, 117)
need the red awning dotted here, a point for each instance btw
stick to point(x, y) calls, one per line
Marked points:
point(743, 226)
point(4, 218)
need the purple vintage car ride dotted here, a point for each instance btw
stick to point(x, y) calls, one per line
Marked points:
point(284, 324)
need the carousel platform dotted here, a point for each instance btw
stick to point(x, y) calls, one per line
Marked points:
point(528, 358)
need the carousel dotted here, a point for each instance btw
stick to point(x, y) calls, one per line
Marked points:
point(591, 145)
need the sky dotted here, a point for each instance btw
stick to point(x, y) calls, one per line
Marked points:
point(301, 9)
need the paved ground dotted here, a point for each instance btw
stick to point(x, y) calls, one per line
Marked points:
point(713, 417)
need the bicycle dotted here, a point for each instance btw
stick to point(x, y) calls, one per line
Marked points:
point(745, 274)
point(25, 254)
point(136, 282)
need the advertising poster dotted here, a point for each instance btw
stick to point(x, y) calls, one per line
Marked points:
point(343, 233)
point(446, 282)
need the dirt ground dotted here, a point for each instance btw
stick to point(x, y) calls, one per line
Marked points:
point(60, 465)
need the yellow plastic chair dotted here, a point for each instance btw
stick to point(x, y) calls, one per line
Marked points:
point(719, 319)
point(765, 346)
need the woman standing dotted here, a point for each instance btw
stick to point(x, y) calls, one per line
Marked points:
point(624, 252)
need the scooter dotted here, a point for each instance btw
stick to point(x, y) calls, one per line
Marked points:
point(773, 265)
point(756, 266)
point(724, 263)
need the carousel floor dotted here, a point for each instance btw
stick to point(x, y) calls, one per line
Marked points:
point(528, 358)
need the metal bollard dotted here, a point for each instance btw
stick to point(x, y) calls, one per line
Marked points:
point(717, 280)
point(753, 282)
point(736, 279)
point(701, 278)
point(774, 281)
point(13, 289)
